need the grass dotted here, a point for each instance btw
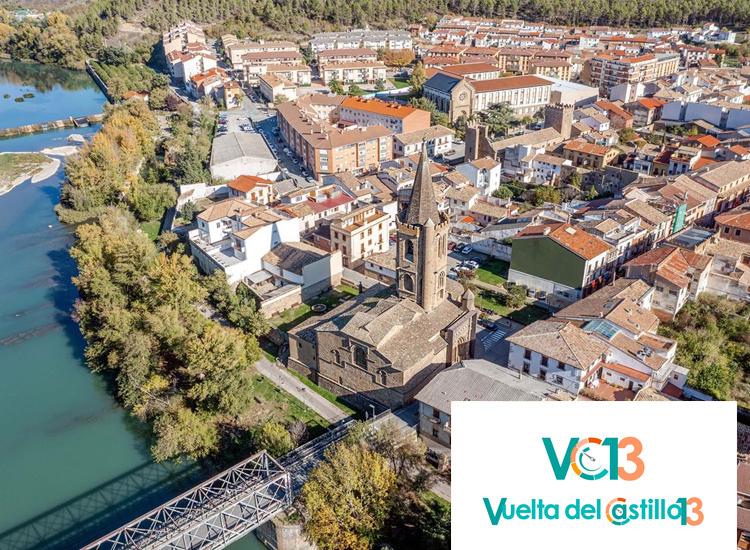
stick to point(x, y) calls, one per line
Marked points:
point(400, 82)
point(429, 497)
point(290, 318)
point(324, 393)
point(284, 407)
point(151, 229)
point(493, 272)
point(525, 315)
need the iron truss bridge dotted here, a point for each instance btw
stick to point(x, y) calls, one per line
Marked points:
point(226, 507)
point(213, 514)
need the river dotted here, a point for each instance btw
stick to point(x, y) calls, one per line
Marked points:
point(73, 463)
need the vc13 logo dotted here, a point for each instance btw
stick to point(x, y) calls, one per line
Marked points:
point(593, 458)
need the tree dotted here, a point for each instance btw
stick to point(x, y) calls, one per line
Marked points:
point(347, 498)
point(188, 211)
point(274, 438)
point(355, 90)
point(627, 134)
point(546, 193)
point(150, 201)
point(396, 58)
point(436, 116)
point(575, 180)
point(336, 87)
point(157, 98)
point(498, 118)
point(592, 194)
point(279, 99)
point(379, 85)
point(418, 78)
point(181, 432)
point(515, 297)
point(503, 192)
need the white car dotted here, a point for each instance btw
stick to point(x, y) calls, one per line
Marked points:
point(467, 249)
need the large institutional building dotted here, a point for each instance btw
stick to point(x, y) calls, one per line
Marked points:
point(383, 347)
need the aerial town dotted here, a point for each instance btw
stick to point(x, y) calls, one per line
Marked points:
point(483, 209)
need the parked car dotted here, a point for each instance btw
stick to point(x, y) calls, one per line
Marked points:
point(451, 245)
point(453, 276)
point(477, 260)
point(468, 249)
point(470, 264)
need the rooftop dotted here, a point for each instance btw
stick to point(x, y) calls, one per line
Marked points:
point(236, 145)
point(480, 380)
point(387, 108)
point(294, 256)
point(577, 241)
point(561, 340)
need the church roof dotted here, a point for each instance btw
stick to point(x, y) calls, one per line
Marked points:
point(423, 205)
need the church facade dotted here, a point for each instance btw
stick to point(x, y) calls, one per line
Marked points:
point(382, 347)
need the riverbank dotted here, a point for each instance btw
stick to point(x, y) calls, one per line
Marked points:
point(16, 168)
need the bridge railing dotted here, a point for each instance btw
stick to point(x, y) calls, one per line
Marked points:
point(212, 514)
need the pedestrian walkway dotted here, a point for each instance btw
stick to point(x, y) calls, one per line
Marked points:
point(492, 338)
point(283, 379)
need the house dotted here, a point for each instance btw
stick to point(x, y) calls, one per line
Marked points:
point(557, 352)
point(439, 141)
point(346, 55)
point(471, 380)
point(252, 188)
point(645, 111)
point(357, 234)
point(543, 169)
point(730, 269)
point(734, 225)
point(558, 262)
point(483, 173)
point(677, 275)
point(241, 153)
point(729, 180)
point(381, 348)
point(589, 155)
point(276, 89)
point(310, 205)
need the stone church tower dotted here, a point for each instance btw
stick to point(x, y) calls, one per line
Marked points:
point(422, 246)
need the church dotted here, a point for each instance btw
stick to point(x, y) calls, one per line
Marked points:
point(382, 347)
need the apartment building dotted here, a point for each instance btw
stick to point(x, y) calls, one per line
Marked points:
point(359, 234)
point(394, 116)
point(236, 49)
point(273, 87)
point(178, 37)
point(347, 55)
point(473, 71)
point(311, 128)
point(259, 63)
point(608, 71)
point(362, 38)
point(439, 141)
point(353, 72)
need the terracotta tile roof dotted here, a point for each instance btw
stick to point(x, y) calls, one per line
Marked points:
point(248, 183)
point(615, 109)
point(508, 83)
point(463, 69)
point(576, 240)
point(627, 371)
point(738, 218)
point(225, 209)
point(703, 161)
point(562, 341)
point(706, 140)
point(671, 390)
point(739, 150)
point(651, 102)
point(587, 148)
point(395, 110)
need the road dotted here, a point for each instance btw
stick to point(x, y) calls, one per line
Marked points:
point(286, 381)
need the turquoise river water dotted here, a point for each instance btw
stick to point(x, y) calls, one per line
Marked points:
point(73, 463)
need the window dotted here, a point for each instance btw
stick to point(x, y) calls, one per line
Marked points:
point(360, 356)
point(408, 250)
point(544, 361)
point(408, 283)
point(435, 432)
point(543, 374)
point(726, 230)
point(527, 354)
point(558, 379)
point(324, 160)
point(336, 357)
point(435, 413)
point(737, 232)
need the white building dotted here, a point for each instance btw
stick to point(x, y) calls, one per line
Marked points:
point(241, 154)
point(439, 142)
point(483, 173)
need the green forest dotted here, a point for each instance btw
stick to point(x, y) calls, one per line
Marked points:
point(63, 39)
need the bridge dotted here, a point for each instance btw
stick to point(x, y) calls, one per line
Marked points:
point(227, 506)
